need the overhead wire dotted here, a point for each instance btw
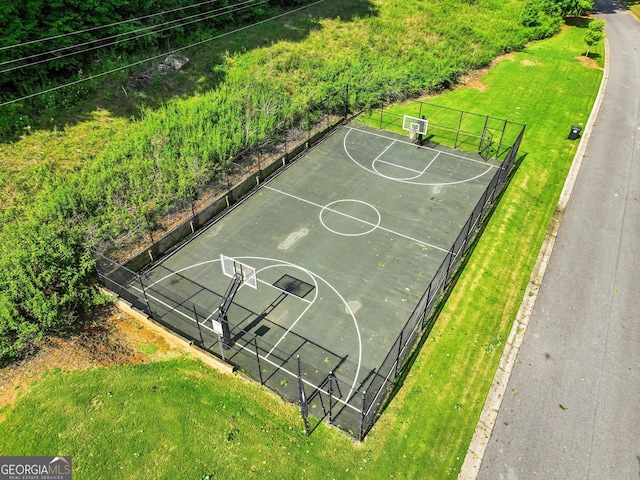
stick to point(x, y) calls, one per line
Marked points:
point(206, 16)
point(77, 32)
point(101, 74)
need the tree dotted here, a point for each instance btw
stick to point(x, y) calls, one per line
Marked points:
point(575, 7)
point(544, 16)
point(594, 35)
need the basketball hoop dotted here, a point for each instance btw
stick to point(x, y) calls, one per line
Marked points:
point(415, 126)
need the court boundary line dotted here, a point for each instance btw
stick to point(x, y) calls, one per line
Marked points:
point(286, 264)
point(279, 367)
point(395, 140)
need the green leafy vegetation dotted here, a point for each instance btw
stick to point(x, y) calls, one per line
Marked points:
point(109, 37)
point(594, 34)
point(177, 419)
point(546, 16)
point(123, 175)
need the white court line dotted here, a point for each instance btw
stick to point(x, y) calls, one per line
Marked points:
point(420, 242)
point(409, 181)
point(279, 367)
point(211, 316)
point(420, 146)
point(388, 147)
point(400, 179)
point(311, 274)
point(419, 172)
point(315, 296)
point(346, 304)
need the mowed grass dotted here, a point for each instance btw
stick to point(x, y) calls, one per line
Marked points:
point(177, 419)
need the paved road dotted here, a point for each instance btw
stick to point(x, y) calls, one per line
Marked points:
point(572, 405)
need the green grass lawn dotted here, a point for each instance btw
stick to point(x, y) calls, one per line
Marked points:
point(177, 419)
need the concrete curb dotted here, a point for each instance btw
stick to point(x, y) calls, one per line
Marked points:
point(473, 459)
point(170, 337)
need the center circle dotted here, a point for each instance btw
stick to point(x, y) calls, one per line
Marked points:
point(350, 218)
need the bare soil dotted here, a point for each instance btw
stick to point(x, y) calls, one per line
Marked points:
point(472, 79)
point(113, 339)
point(589, 62)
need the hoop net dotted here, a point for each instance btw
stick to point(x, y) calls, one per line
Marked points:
point(412, 132)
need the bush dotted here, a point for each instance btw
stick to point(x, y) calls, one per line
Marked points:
point(543, 16)
point(46, 278)
point(170, 154)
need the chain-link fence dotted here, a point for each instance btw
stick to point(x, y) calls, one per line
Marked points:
point(422, 319)
point(462, 130)
point(353, 408)
point(158, 234)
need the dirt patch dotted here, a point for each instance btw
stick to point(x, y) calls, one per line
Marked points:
point(113, 339)
point(589, 62)
point(472, 79)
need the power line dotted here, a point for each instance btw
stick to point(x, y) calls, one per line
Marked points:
point(207, 16)
point(75, 82)
point(77, 32)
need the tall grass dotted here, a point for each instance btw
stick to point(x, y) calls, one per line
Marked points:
point(384, 51)
point(179, 420)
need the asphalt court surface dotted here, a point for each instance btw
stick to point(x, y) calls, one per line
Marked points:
point(344, 243)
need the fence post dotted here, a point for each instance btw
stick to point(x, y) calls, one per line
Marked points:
point(144, 294)
point(504, 129)
point(455, 144)
point(395, 374)
point(304, 408)
point(195, 316)
point(221, 348)
point(150, 230)
point(484, 131)
point(426, 307)
point(346, 101)
point(255, 342)
point(286, 142)
point(330, 396)
point(381, 114)
point(446, 277)
point(361, 433)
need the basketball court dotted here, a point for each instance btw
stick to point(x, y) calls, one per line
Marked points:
point(324, 263)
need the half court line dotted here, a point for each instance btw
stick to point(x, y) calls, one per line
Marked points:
point(392, 232)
